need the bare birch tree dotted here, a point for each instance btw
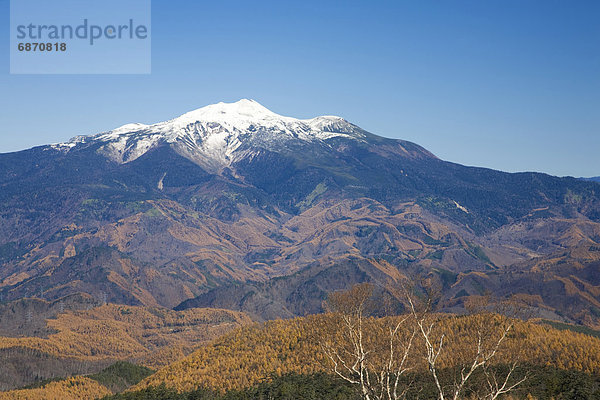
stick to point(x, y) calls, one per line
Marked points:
point(490, 333)
point(371, 353)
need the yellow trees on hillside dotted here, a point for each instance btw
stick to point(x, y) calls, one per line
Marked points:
point(253, 353)
point(77, 388)
point(155, 336)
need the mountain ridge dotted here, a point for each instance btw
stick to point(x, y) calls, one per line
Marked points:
point(217, 135)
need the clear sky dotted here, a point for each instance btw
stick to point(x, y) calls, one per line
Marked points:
point(506, 84)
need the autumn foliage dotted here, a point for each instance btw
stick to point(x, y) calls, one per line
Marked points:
point(249, 355)
point(76, 388)
point(154, 336)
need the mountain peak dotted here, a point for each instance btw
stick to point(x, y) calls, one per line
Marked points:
point(239, 114)
point(243, 109)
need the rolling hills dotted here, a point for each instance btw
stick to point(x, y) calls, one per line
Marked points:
point(85, 341)
point(283, 358)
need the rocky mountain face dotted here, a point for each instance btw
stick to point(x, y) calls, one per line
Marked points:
point(235, 206)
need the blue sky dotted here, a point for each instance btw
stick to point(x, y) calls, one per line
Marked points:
point(506, 84)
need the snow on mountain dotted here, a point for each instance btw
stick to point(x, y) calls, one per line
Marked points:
point(218, 134)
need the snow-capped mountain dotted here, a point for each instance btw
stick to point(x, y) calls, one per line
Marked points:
point(160, 214)
point(219, 134)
